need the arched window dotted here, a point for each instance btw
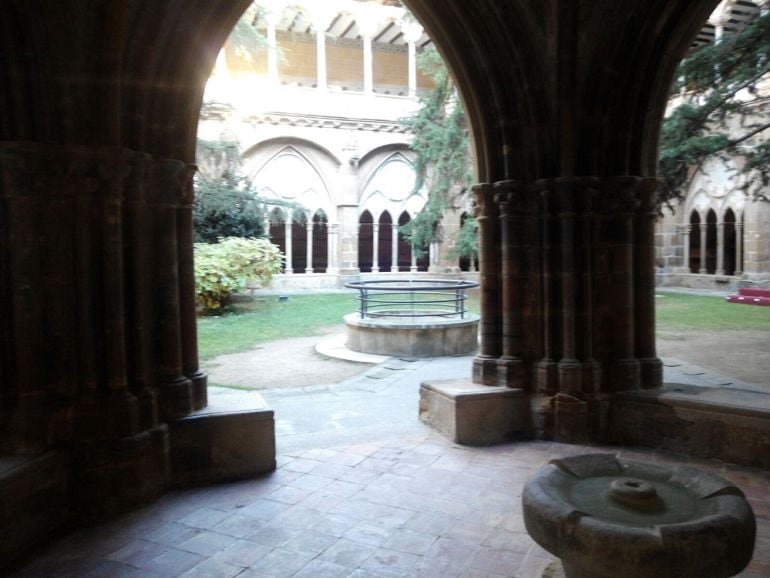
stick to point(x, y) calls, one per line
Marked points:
point(365, 242)
point(694, 242)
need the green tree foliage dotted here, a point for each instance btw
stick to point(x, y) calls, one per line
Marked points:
point(442, 145)
point(232, 265)
point(227, 207)
point(724, 109)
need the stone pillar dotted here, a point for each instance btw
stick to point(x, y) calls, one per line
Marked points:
point(413, 264)
point(738, 246)
point(684, 232)
point(394, 248)
point(322, 16)
point(332, 248)
point(512, 203)
point(309, 245)
point(367, 25)
point(412, 33)
point(164, 196)
point(490, 332)
point(288, 229)
point(375, 247)
point(650, 365)
point(720, 248)
point(187, 305)
point(703, 247)
point(272, 17)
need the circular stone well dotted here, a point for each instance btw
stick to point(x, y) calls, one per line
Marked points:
point(412, 318)
point(607, 518)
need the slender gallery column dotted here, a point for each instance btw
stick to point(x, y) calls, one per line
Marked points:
point(703, 246)
point(309, 245)
point(322, 14)
point(684, 232)
point(375, 247)
point(187, 305)
point(272, 18)
point(738, 246)
point(288, 229)
point(332, 245)
point(164, 195)
point(487, 215)
point(547, 369)
point(511, 199)
point(394, 249)
point(720, 248)
point(413, 264)
point(650, 366)
point(367, 26)
point(412, 33)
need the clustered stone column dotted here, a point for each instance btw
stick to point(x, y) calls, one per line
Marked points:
point(567, 292)
point(106, 236)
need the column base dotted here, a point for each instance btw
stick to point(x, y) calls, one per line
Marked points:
point(510, 372)
point(473, 414)
point(651, 372)
point(485, 370)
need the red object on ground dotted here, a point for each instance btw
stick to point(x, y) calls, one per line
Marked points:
point(751, 297)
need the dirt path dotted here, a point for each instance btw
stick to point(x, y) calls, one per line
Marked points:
point(284, 363)
point(744, 355)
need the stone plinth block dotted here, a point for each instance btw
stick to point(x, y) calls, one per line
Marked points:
point(473, 414)
point(33, 501)
point(234, 437)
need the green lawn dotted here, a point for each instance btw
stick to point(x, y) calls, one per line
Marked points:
point(679, 311)
point(266, 318)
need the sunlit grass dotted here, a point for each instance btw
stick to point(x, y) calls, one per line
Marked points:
point(267, 318)
point(680, 311)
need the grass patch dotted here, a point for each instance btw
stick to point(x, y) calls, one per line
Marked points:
point(267, 319)
point(680, 311)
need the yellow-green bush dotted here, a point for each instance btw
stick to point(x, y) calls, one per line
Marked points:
point(228, 266)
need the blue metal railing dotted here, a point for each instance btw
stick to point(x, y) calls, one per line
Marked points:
point(399, 298)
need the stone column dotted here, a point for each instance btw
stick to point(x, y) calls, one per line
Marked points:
point(490, 332)
point(412, 33)
point(272, 17)
point(413, 265)
point(187, 305)
point(738, 246)
point(720, 248)
point(164, 195)
point(650, 366)
point(684, 232)
point(512, 202)
point(547, 368)
point(703, 247)
point(367, 25)
point(394, 248)
point(333, 263)
point(617, 205)
point(375, 247)
point(322, 16)
point(288, 229)
point(309, 245)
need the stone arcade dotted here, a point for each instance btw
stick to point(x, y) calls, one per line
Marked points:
point(100, 101)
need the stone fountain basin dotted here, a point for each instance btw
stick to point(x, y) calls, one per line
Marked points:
point(605, 517)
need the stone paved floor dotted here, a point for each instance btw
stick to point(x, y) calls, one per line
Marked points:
point(413, 506)
point(363, 489)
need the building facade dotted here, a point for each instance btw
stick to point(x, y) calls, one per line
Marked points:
point(335, 81)
point(718, 237)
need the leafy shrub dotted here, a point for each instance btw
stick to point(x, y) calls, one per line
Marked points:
point(228, 266)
